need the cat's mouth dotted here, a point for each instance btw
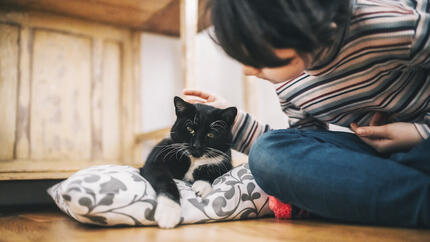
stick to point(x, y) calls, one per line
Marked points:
point(196, 153)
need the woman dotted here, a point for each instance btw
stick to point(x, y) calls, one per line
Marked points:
point(362, 64)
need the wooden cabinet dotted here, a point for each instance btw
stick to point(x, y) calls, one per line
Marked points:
point(68, 95)
point(70, 83)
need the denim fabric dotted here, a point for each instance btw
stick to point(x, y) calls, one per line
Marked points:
point(335, 175)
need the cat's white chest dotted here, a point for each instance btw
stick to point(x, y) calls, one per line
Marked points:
point(197, 162)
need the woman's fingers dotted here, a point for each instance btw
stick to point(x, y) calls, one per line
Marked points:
point(194, 100)
point(197, 93)
point(354, 127)
point(197, 96)
point(373, 132)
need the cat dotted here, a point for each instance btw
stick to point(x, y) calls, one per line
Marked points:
point(197, 151)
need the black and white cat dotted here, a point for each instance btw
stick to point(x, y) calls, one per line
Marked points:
point(198, 151)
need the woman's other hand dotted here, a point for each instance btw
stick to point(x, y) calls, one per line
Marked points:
point(387, 138)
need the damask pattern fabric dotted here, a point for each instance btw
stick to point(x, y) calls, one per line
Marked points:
point(113, 195)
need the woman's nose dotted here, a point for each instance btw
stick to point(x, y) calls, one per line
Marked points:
point(250, 71)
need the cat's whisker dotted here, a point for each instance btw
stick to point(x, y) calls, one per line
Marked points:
point(168, 153)
point(219, 161)
point(182, 151)
point(177, 152)
point(221, 158)
point(218, 123)
point(174, 148)
point(218, 152)
point(166, 147)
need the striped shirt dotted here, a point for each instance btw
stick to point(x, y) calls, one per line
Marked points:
point(381, 63)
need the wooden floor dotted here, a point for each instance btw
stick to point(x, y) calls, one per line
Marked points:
point(52, 225)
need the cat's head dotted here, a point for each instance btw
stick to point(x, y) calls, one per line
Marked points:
point(204, 129)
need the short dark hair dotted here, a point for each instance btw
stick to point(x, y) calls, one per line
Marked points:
point(249, 30)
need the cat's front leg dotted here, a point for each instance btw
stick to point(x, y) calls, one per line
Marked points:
point(168, 212)
point(202, 188)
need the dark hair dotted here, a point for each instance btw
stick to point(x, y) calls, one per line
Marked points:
point(249, 30)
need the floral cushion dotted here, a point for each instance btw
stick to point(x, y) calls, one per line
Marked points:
point(110, 195)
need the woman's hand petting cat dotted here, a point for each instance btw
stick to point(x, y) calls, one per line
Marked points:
point(197, 96)
point(386, 138)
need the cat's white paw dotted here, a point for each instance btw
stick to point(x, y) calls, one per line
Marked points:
point(168, 212)
point(202, 188)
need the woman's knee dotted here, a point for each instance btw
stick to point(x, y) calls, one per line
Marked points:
point(262, 152)
point(259, 154)
point(268, 159)
point(272, 145)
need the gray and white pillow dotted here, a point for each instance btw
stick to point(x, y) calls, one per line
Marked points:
point(111, 195)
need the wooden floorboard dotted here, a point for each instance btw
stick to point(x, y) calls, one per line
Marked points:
point(52, 225)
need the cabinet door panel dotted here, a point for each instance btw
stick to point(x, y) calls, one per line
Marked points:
point(60, 96)
point(112, 53)
point(9, 37)
point(68, 95)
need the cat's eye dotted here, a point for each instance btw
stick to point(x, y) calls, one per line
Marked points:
point(191, 130)
point(210, 135)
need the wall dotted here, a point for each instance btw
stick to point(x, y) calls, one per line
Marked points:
point(217, 73)
point(161, 80)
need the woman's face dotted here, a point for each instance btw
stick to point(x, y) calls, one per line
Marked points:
point(283, 73)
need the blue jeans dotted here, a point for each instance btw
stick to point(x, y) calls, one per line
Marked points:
point(337, 176)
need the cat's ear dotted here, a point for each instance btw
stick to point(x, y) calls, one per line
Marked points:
point(181, 107)
point(229, 114)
